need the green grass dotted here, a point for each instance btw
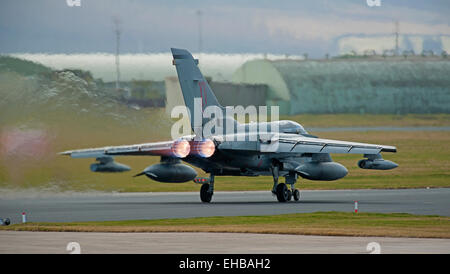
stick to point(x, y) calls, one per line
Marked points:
point(319, 223)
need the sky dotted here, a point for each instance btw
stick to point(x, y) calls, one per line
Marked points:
point(248, 26)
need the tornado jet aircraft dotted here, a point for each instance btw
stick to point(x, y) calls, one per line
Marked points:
point(289, 151)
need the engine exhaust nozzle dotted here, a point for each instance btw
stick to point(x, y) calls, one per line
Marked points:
point(204, 148)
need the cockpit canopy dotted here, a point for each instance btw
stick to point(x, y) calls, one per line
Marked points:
point(286, 126)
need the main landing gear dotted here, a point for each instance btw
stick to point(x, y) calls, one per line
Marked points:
point(207, 189)
point(283, 193)
point(281, 190)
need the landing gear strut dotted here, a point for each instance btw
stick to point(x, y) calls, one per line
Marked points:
point(275, 173)
point(207, 190)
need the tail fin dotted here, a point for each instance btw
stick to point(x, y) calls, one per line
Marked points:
point(196, 91)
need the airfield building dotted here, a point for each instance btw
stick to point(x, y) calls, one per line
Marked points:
point(353, 85)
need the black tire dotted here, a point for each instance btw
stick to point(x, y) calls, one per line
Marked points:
point(205, 195)
point(282, 193)
point(296, 195)
point(289, 195)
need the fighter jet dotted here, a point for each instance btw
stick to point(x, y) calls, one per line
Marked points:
point(289, 151)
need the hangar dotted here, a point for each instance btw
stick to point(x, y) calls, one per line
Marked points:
point(352, 85)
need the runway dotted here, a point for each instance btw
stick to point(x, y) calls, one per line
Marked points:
point(70, 207)
point(207, 243)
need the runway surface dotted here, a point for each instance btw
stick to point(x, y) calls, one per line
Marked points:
point(68, 207)
point(182, 243)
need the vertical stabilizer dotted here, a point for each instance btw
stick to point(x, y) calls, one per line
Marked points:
point(196, 91)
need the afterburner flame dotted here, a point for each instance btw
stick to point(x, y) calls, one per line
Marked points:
point(204, 148)
point(181, 148)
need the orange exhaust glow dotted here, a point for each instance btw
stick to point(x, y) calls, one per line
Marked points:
point(181, 148)
point(205, 148)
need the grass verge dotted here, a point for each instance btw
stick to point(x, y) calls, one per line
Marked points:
point(319, 223)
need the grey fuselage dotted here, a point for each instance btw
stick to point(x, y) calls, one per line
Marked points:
point(242, 159)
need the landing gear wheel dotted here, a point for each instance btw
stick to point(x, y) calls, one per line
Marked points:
point(289, 195)
point(296, 195)
point(282, 193)
point(205, 195)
